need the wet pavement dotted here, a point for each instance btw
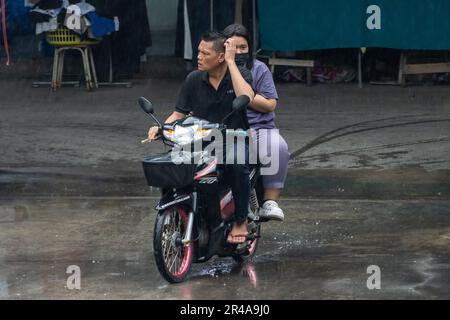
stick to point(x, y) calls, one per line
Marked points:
point(368, 184)
point(321, 251)
point(337, 127)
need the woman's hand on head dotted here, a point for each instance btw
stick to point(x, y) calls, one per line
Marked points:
point(230, 50)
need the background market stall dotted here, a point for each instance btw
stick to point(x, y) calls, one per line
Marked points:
point(299, 25)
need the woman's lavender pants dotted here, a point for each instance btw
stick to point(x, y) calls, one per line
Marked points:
point(273, 149)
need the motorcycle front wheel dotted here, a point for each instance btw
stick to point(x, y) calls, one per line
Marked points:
point(173, 259)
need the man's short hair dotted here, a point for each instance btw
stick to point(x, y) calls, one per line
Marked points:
point(217, 38)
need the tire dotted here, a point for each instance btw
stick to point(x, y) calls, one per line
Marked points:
point(172, 259)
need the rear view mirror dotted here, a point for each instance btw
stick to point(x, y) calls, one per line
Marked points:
point(241, 103)
point(146, 105)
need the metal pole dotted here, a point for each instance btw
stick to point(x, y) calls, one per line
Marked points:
point(360, 68)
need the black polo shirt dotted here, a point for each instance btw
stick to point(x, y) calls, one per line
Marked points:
point(198, 96)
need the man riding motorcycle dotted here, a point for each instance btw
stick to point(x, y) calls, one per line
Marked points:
point(208, 93)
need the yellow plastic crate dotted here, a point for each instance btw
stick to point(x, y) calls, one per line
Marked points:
point(64, 37)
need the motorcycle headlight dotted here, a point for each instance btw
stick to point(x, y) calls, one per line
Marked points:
point(201, 134)
point(169, 134)
point(186, 135)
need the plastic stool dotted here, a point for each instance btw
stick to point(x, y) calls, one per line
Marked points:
point(63, 40)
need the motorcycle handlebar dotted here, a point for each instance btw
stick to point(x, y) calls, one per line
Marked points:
point(158, 137)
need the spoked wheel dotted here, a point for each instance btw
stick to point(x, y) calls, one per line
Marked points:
point(172, 257)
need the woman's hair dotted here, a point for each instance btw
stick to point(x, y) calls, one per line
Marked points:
point(239, 30)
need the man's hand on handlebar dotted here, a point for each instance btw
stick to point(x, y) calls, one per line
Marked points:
point(153, 134)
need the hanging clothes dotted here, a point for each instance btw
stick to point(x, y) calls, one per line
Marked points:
point(47, 15)
point(17, 21)
point(85, 8)
point(224, 13)
point(81, 28)
point(38, 17)
point(199, 16)
point(193, 21)
point(102, 26)
point(126, 46)
point(51, 13)
point(188, 53)
point(49, 26)
point(50, 4)
point(44, 15)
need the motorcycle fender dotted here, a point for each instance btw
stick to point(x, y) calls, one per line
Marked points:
point(170, 201)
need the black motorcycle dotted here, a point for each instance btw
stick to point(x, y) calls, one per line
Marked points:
point(196, 210)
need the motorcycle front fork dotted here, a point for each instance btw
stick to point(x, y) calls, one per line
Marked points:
point(188, 236)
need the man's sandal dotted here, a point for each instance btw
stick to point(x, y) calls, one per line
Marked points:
point(236, 236)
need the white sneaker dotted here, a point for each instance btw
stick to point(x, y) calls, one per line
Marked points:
point(271, 211)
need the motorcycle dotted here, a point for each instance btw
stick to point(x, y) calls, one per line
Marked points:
point(196, 211)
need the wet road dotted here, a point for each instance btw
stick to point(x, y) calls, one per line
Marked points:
point(321, 251)
point(66, 156)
